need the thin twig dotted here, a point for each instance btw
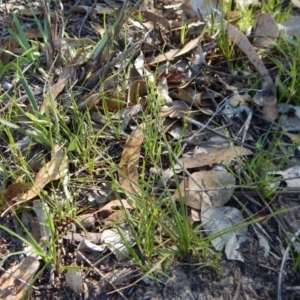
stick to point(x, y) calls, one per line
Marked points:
point(103, 276)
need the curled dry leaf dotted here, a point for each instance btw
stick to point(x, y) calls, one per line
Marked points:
point(141, 68)
point(137, 90)
point(128, 176)
point(164, 91)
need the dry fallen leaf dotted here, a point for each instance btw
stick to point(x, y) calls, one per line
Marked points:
point(74, 279)
point(176, 52)
point(56, 168)
point(221, 183)
point(291, 26)
point(137, 89)
point(13, 191)
point(215, 155)
point(13, 287)
point(113, 240)
point(291, 176)
point(217, 219)
point(296, 3)
point(266, 30)
point(129, 161)
point(243, 43)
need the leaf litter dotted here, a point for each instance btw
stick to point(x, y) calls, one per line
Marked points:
point(221, 116)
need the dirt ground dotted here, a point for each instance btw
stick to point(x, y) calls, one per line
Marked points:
point(256, 278)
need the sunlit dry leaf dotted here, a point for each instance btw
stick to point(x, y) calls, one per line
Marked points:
point(130, 161)
point(222, 185)
point(13, 287)
point(296, 3)
point(195, 215)
point(56, 168)
point(176, 52)
point(163, 91)
point(98, 28)
point(266, 30)
point(142, 69)
point(215, 155)
point(114, 241)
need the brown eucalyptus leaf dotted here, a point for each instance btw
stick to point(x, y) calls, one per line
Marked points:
point(216, 155)
point(13, 283)
point(129, 175)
